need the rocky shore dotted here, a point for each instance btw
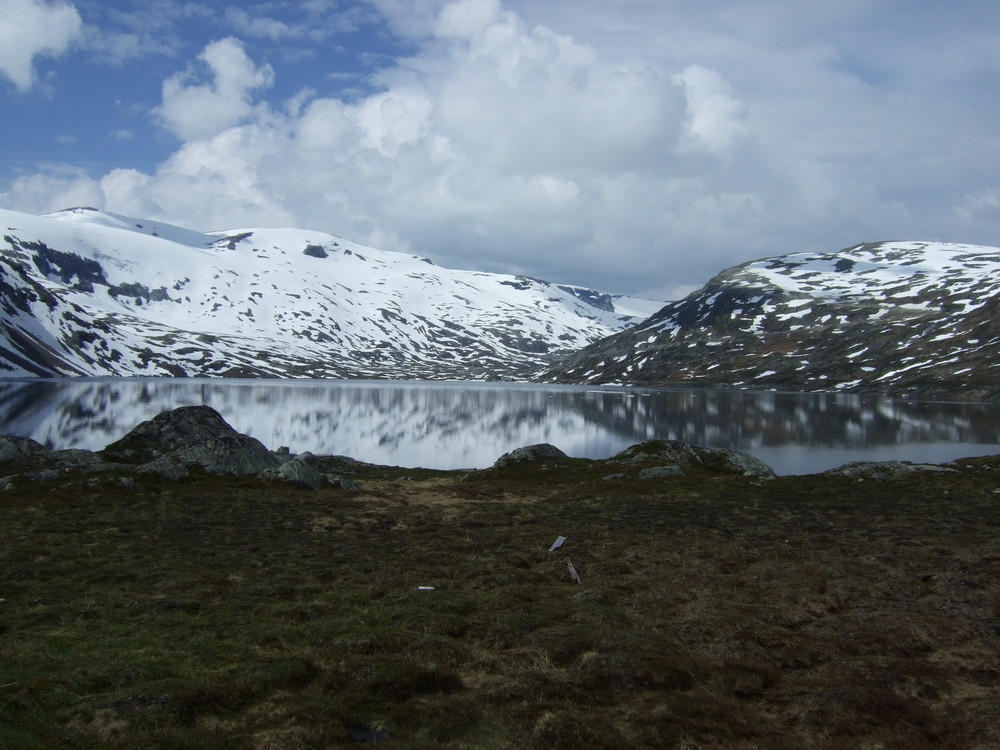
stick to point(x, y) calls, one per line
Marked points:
point(196, 438)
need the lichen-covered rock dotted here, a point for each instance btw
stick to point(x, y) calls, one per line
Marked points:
point(342, 483)
point(881, 470)
point(236, 454)
point(530, 453)
point(297, 472)
point(168, 433)
point(676, 453)
point(194, 436)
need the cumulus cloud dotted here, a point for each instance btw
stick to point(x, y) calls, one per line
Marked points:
point(468, 18)
point(193, 111)
point(55, 188)
point(31, 29)
point(636, 147)
point(499, 139)
point(500, 146)
point(715, 114)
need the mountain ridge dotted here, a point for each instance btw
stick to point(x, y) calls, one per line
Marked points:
point(897, 316)
point(85, 292)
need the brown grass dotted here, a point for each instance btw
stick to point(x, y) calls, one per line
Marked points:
point(716, 612)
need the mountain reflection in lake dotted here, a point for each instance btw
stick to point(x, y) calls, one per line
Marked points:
point(469, 425)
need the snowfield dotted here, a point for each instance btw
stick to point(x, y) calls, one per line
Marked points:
point(86, 292)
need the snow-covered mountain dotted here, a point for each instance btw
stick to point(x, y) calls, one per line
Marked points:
point(84, 292)
point(922, 317)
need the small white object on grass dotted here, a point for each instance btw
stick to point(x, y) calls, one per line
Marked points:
point(574, 576)
point(557, 543)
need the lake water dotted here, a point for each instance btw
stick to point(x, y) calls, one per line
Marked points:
point(469, 425)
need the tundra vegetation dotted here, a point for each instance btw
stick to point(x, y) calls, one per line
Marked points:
point(193, 608)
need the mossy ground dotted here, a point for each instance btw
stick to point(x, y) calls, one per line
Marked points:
point(715, 612)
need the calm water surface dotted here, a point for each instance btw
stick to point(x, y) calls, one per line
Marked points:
point(469, 425)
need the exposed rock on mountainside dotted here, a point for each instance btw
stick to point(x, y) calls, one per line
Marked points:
point(916, 317)
point(84, 292)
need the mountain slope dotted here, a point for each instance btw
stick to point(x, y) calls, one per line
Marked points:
point(83, 292)
point(922, 317)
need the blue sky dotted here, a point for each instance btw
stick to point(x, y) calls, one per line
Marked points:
point(634, 146)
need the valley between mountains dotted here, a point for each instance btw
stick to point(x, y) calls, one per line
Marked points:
point(88, 293)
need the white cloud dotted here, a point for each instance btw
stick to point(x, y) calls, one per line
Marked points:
point(260, 26)
point(391, 120)
point(54, 189)
point(193, 111)
point(310, 21)
point(981, 205)
point(34, 28)
point(469, 18)
point(233, 165)
point(117, 33)
point(716, 117)
point(640, 146)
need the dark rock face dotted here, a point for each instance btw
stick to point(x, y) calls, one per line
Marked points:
point(316, 251)
point(676, 455)
point(530, 453)
point(194, 436)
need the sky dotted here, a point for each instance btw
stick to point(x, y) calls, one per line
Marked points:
point(631, 146)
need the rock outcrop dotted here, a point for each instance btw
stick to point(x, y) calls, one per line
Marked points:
point(169, 446)
point(673, 455)
point(529, 454)
point(882, 470)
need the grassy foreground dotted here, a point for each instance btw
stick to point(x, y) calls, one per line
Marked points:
point(715, 611)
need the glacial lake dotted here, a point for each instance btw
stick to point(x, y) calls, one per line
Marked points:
point(448, 425)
